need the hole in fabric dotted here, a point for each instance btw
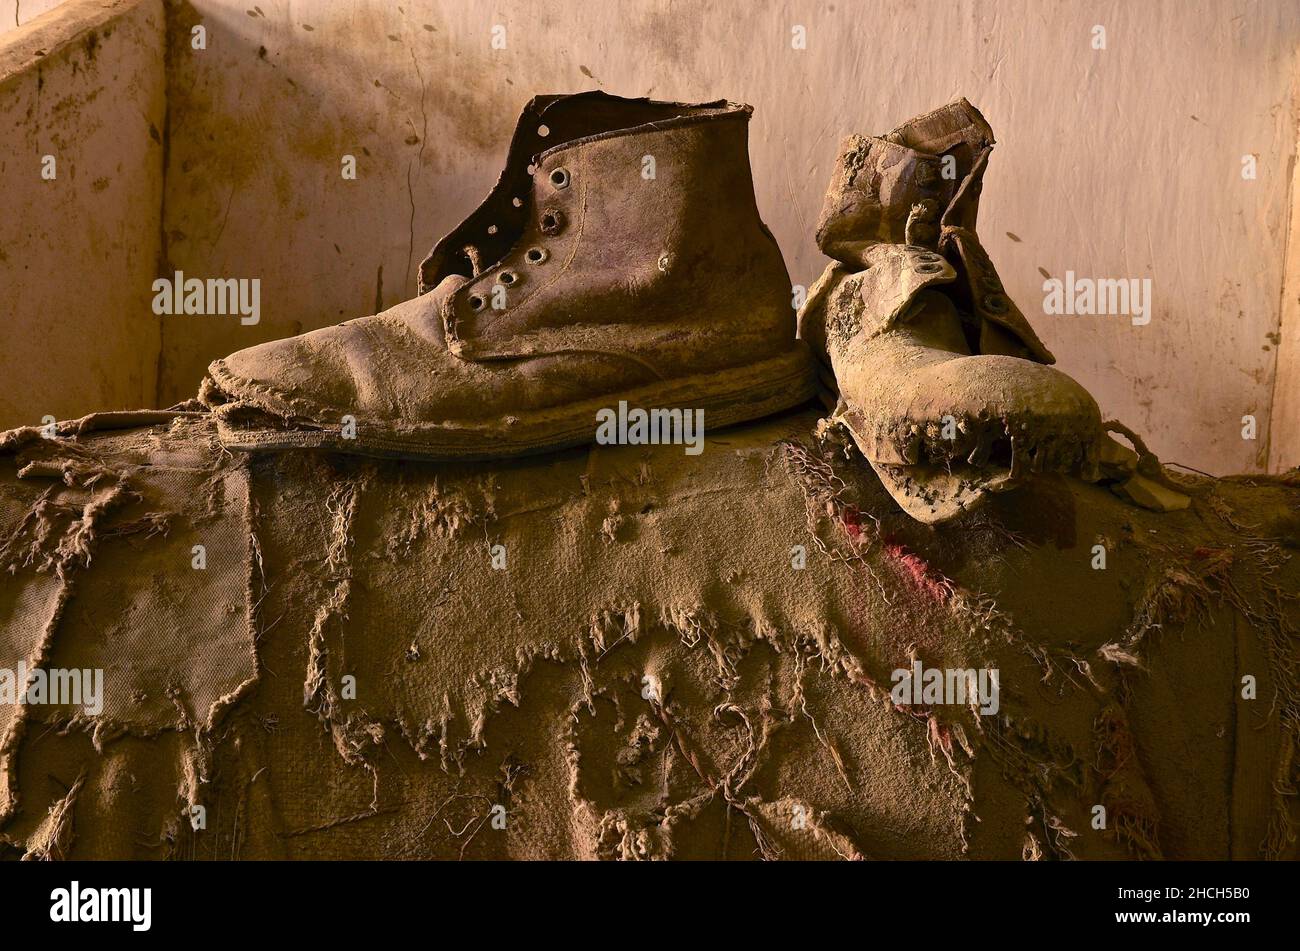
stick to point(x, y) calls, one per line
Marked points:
point(508, 277)
point(995, 303)
point(475, 302)
point(560, 177)
point(535, 255)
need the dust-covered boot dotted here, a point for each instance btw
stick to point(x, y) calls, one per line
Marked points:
point(620, 257)
point(934, 371)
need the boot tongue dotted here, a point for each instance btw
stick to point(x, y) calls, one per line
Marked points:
point(960, 131)
point(947, 128)
point(903, 186)
point(957, 129)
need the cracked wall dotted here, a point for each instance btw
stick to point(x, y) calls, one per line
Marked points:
point(14, 13)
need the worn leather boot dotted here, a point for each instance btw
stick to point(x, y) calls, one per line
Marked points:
point(935, 372)
point(620, 256)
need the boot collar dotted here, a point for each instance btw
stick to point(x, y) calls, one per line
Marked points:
point(685, 114)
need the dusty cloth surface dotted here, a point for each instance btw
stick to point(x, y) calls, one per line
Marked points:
point(610, 652)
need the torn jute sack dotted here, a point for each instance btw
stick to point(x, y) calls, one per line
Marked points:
point(628, 652)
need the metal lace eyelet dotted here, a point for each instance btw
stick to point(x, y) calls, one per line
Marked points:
point(552, 221)
point(995, 303)
point(929, 267)
point(560, 177)
point(508, 278)
point(535, 255)
point(476, 302)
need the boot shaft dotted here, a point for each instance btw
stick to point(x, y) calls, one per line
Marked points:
point(650, 225)
point(488, 232)
point(651, 169)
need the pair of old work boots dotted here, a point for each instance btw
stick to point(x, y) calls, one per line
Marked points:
point(620, 258)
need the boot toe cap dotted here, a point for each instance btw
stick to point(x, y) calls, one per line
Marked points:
point(299, 376)
point(990, 387)
point(956, 406)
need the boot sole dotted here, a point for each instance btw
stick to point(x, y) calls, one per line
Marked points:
point(727, 397)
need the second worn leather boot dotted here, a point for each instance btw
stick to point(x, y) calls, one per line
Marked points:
point(939, 378)
point(620, 257)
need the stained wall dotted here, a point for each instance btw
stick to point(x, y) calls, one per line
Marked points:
point(1122, 162)
point(81, 158)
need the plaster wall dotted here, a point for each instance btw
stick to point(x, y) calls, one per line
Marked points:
point(1122, 162)
point(15, 13)
point(82, 102)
